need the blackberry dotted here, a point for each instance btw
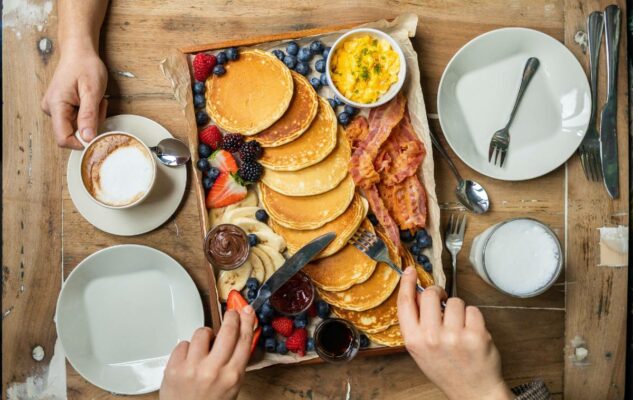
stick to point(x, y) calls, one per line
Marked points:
point(250, 151)
point(232, 142)
point(251, 171)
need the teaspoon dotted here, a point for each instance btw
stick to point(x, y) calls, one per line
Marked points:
point(171, 152)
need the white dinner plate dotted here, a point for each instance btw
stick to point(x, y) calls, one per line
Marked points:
point(159, 205)
point(478, 89)
point(121, 312)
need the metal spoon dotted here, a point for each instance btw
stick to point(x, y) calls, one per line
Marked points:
point(171, 152)
point(469, 193)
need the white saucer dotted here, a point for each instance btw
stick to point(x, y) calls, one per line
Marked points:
point(121, 312)
point(478, 89)
point(157, 208)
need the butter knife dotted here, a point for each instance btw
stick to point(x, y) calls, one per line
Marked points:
point(608, 131)
point(291, 267)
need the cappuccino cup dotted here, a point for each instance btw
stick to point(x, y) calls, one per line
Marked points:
point(117, 169)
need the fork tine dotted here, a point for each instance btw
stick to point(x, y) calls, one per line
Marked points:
point(491, 150)
point(583, 162)
point(462, 226)
point(503, 157)
point(593, 166)
point(449, 229)
point(496, 154)
point(597, 164)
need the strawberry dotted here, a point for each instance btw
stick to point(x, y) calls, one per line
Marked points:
point(283, 326)
point(297, 341)
point(211, 136)
point(235, 301)
point(203, 66)
point(224, 161)
point(225, 191)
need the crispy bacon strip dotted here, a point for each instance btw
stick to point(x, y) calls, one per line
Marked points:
point(357, 131)
point(400, 155)
point(406, 202)
point(382, 214)
point(381, 121)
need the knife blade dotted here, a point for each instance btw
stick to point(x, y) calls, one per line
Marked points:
point(608, 116)
point(291, 267)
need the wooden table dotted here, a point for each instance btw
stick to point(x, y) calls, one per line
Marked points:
point(45, 237)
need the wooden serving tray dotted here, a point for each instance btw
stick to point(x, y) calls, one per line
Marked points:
point(179, 69)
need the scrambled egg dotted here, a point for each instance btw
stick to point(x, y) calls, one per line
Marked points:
point(363, 68)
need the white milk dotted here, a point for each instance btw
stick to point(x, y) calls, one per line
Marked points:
point(521, 257)
point(125, 176)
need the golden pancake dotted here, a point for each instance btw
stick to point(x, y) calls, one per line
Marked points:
point(342, 270)
point(373, 291)
point(297, 118)
point(311, 147)
point(391, 337)
point(375, 319)
point(424, 277)
point(308, 212)
point(316, 179)
point(344, 226)
point(254, 92)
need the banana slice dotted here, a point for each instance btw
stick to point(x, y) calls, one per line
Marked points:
point(267, 262)
point(264, 233)
point(216, 214)
point(242, 212)
point(276, 257)
point(234, 279)
point(259, 271)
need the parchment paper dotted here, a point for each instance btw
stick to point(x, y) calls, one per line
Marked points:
point(401, 29)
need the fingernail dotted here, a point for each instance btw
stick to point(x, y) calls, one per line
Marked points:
point(87, 133)
point(248, 310)
point(409, 271)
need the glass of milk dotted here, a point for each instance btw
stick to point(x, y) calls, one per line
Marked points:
point(520, 257)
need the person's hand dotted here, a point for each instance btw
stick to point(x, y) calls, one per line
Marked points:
point(199, 371)
point(74, 98)
point(454, 350)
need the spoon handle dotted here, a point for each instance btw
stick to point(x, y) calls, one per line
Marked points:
point(444, 154)
point(531, 66)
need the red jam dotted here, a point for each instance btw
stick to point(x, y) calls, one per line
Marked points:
point(295, 296)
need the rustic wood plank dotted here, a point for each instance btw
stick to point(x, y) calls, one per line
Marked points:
point(596, 296)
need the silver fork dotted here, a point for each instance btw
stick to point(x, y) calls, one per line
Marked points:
point(454, 241)
point(501, 139)
point(375, 248)
point(589, 149)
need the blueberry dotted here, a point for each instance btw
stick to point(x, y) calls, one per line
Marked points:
point(198, 87)
point(415, 249)
point(213, 173)
point(302, 316)
point(421, 259)
point(316, 83)
point(338, 100)
point(303, 68)
point(323, 309)
point(207, 182)
point(252, 283)
point(279, 54)
point(350, 110)
point(292, 48)
point(263, 318)
point(221, 58)
point(372, 218)
point(232, 54)
point(251, 295)
point(326, 52)
point(310, 344)
point(253, 239)
point(331, 101)
point(424, 242)
point(421, 233)
point(204, 150)
point(344, 118)
point(270, 344)
point(316, 47)
point(268, 331)
point(219, 70)
point(281, 348)
point(198, 100)
point(364, 341)
point(323, 80)
point(300, 323)
point(304, 54)
point(290, 61)
point(201, 118)
point(406, 235)
point(261, 215)
point(320, 65)
point(267, 310)
point(203, 164)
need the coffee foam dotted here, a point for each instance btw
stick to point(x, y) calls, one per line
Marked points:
point(117, 170)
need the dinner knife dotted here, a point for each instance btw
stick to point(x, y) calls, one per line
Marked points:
point(291, 267)
point(608, 132)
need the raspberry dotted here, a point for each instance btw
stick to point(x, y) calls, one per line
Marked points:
point(211, 136)
point(283, 326)
point(251, 171)
point(232, 142)
point(203, 65)
point(250, 151)
point(297, 341)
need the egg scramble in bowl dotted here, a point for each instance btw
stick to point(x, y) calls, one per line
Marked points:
point(363, 68)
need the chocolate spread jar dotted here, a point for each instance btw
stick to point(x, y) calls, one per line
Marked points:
point(226, 246)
